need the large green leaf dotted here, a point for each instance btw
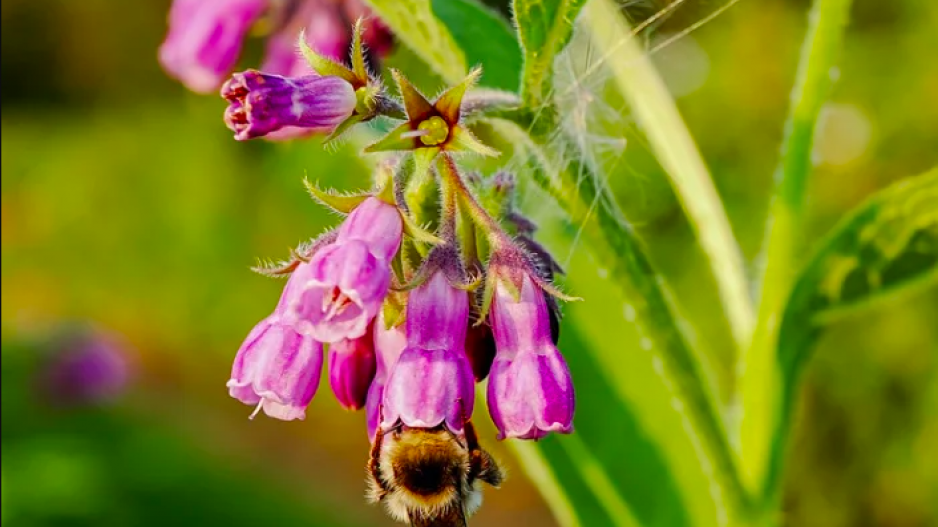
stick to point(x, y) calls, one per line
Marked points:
point(415, 25)
point(886, 246)
point(486, 38)
point(544, 28)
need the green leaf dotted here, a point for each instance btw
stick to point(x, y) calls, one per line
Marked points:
point(413, 22)
point(887, 246)
point(544, 28)
point(486, 38)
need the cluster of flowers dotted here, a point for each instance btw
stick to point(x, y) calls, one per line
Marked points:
point(408, 334)
point(419, 372)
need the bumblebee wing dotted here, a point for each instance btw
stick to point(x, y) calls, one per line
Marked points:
point(451, 517)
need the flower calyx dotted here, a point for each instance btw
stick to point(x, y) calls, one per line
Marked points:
point(370, 99)
point(300, 254)
point(508, 267)
point(432, 127)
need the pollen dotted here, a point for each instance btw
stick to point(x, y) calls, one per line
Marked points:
point(437, 131)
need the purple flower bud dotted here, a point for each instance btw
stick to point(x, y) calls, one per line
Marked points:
point(204, 39)
point(351, 370)
point(342, 288)
point(260, 103)
point(432, 383)
point(276, 369)
point(530, 391)
point(480, 348)
point(389, 343)
point(376, 223)
point(86, 368)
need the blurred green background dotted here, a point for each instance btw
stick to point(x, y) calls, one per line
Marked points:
point(127, 205)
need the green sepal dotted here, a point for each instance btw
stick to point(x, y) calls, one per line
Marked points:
point(343, 127)
point(418, 233)
point(415, 103)
point(411, 256)
point(384, 184)
point(278, 268)
point(358, 55)
point(302, 253)
point(471, 284)
point(449, 103)
point(326, 66)
point(487, 294)
point(462, 140)
point(552, 290)
point(397, 266)
point(343, 203)
point(466, 234)
point(395, 140)
point(393, 310)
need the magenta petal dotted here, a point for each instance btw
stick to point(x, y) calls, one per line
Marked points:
point(204, 39)
point(278, 367)
point(388, 343)
point(520, 324)
point(531, 395)
point(429, 387)
point(530, 392)
point(376, 223)
point(437, 315)
point(432, 383)
point(339, 293)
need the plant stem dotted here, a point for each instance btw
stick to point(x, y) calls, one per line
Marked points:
point(673, 146)
point(759, 384)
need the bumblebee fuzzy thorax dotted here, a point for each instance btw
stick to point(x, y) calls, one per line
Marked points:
point(426, 473)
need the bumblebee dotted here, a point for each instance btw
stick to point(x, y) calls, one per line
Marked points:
point(430, 476)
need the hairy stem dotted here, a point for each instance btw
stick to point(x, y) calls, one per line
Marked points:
point(759, 385)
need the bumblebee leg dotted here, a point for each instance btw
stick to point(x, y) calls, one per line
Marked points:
point(472, 446)
point(374, 461)
point(481, 464)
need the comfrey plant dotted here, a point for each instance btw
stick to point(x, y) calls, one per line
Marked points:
point(434, 282)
